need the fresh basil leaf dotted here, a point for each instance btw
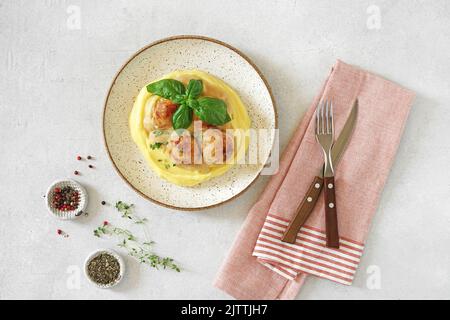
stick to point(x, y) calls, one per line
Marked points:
point(168, 89)
point(182, 118)
point(212, 111)
point(192, 103)
point(194, 88)
point(179, 99)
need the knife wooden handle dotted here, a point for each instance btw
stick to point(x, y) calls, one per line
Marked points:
point(303, 211)
point(331, 222)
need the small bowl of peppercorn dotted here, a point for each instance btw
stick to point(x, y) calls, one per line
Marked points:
point(66, 199)
point(104, 268)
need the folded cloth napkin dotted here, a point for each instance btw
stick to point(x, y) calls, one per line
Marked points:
point(261, 266)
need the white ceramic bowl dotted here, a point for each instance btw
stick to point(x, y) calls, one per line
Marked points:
point(115, 255)
point(66, 215)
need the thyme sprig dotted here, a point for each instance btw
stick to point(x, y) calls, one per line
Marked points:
point(140, 251)
point(108, 229)
point(147, 257)
point(127, 212)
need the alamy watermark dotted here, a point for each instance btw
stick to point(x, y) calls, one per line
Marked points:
point(73, 281)
point(74, 19)
point(213, 146)
point(374, 18)
point(373, 281)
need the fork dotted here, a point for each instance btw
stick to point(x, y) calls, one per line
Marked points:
point(325, 137)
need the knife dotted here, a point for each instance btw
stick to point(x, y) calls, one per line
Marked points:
point(309, 201)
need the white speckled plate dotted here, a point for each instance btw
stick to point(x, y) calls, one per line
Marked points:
point(156, 60)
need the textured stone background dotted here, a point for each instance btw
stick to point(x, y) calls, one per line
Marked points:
point(56, 69)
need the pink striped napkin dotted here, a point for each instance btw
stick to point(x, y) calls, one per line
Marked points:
point(259, 265)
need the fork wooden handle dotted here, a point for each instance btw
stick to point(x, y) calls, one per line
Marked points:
point(331, 222)
point(303, 211)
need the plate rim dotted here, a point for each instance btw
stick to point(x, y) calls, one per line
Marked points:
point(183, 37)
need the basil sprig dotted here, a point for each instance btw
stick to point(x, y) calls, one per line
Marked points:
point(210, 110)
point(168, 88)
point(182, 118)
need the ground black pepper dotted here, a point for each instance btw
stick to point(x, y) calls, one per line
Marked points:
point(104, 269)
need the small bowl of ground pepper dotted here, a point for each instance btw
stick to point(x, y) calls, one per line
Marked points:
point(66, 199)
point(104, 268)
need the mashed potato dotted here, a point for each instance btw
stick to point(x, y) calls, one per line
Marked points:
point(143, 133)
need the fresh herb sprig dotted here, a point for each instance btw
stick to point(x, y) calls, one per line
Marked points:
point(156, 145)
point(108, 229)
point(210, 110)
point(140, 251)
point(151, 259)
point(127, 212)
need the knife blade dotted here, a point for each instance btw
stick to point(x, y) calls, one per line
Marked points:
point(309, 201)
point(344, 137)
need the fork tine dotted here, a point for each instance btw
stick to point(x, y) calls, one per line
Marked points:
point(331, 118)
point(322, 119)
point(317, 118)
point(327, 117)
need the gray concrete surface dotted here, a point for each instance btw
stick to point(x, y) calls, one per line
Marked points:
point(57, 60)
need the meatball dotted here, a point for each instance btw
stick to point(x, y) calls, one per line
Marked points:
point(183, 148)
point(203, 125)
point(162, 113)
point(217, 146)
